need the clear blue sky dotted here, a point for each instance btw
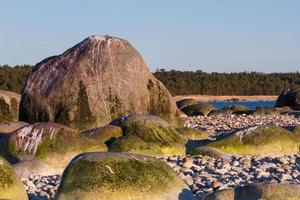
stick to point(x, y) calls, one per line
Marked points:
point(210, 35)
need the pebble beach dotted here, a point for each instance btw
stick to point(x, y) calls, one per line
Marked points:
point(204, 174)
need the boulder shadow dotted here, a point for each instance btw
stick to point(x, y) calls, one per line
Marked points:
point(186, 194)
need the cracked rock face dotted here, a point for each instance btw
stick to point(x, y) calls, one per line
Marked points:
point(116, 78)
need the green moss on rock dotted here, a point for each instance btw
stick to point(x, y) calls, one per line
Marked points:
point(236, 109)
point(270, 110)
point(112, 176)
point(264, 140)
point(185, 102)
point(205, 151)
point(192, 133)
point(10, 186)
point(51, 143)
point(105, 134)
point(149, 135)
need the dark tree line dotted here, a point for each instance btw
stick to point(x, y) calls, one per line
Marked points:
point(14, 78)
point(187, 82)
point(243, 83)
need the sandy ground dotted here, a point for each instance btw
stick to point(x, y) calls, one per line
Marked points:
point(208, 98)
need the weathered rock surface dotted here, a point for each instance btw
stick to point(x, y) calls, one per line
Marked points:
point(10, 186)
point(8, 127)
point(289, 98)
point(111, 176)
point(106, 134)
point(148, 135)
point(46, 148)
point(116, 78)
point(259, 140)
point(192, 134)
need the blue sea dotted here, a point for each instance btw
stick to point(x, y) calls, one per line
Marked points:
point(250, 104)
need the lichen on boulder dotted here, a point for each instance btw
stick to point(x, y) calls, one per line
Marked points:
point(192, 133)
point(10, 186)
point(105, 134)
point(258, 140)
point(120, 176)
point(149, 135)
point(47, 144)
point(267, 191)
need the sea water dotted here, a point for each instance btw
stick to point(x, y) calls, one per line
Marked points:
point(250, 104)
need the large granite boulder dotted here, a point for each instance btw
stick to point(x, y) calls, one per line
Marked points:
point(97, 80)
point(149, 135)
point(47, 148)
point(120, 176)
point(10, 186)
point(289, 98)
point(268, 191)
point(259, 140)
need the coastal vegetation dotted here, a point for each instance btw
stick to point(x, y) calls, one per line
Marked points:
point(14, 78)
point(237, 83)
point(186, 82)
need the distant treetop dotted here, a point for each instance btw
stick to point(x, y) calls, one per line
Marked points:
point(236, 83)
point(186, 82)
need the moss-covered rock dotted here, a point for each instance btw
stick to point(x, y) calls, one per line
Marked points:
point(10, 186)
point(255, 192)
point(264, 140)
point(198, 109)
point(206, 151)
point(149, 135)
point(192, 133)
point(105, 134)
point(53, 144)
point(236, 109)
point(266, 111)
point(119, 176)
point(185, 102)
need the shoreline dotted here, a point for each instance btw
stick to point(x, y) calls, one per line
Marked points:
point(227, 98)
